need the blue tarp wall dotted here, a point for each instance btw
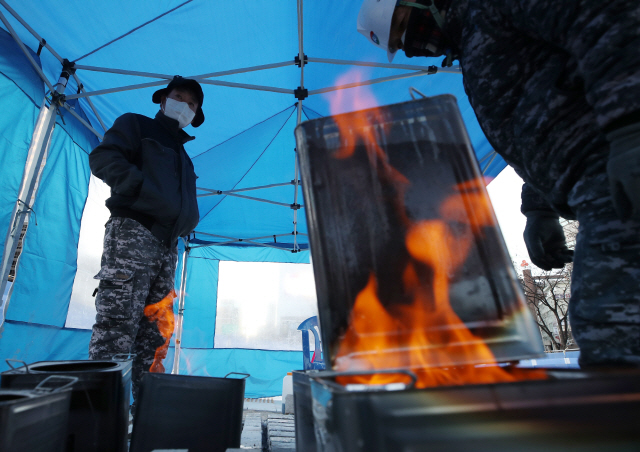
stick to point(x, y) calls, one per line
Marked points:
point(246, 141)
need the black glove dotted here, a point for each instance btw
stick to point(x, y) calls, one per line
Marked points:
point(545, 240)
point(623, 169)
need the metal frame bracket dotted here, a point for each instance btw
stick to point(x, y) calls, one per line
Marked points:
point(301, 93)
point(41, 45)
point(299, 63)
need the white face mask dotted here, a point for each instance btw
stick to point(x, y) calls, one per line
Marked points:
point(179, 111)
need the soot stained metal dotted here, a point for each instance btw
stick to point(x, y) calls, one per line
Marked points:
point(375, 179)
point(420, 311)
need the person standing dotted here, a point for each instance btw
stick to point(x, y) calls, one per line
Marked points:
point(556, 89)
point(153, 203)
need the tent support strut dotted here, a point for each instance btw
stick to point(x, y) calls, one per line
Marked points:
point(302, 60)
point(181, 295)
point(31, 30)
point(25, 51)
point(235, 190)
point(451, 70)
point(40, 141)
point(368, 82)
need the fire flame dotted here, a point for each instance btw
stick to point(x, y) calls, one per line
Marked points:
point(426, 336)
point(162, 313)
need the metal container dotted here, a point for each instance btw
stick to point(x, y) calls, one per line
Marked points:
point(571, 411)
point(187, 412)
point(99, 410)
point(368, 178)
point(305, 435)
point(36, 420)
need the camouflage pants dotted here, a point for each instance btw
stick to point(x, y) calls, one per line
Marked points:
point(604, 310)
point(137, 270)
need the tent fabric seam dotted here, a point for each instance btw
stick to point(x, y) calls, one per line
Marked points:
point(23, 91)
point(78, 145)
point(245, 130)
point(43, 325)
point(254, 163)
point(304, 107)
point(132, 31)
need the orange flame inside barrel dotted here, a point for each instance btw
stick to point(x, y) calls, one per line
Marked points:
point(425, 336)
point(162, 313)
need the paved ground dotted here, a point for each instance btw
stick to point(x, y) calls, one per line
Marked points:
point(267, 431)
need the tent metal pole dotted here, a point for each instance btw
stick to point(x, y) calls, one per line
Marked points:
point(40, 141)
point(164, 82)
point(486, 157)
point(299, 118)
point(82, 121)
point(93, 108)
point(368, 82)
point(245, 69)
point(235, 240)
point(246, 86)
point(266, 245)
point(115, 90)
point(169, 77)
point(300, 43)
point(95, 112)
point(452, 70)
point(295, 196)
point(25, 51)
point(235, 190)
point(123, 72)
point(242, 240)
point(486, 167)
point(284, 204)
point(298, 121)
point(31, 30)
point(181, 297)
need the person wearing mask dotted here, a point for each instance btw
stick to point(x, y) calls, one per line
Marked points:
point(153, 203)
point(556, 89)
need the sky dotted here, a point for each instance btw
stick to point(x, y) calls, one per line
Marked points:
point(504, 192)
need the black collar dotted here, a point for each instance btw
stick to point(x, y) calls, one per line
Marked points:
point(173, 127)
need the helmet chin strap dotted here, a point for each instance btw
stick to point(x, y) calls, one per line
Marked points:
point(439, 20)
point(431, 6)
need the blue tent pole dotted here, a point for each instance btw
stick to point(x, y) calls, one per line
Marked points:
point(181, 295)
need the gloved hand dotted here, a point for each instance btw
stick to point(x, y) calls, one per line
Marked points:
point(545, 240)
point(623, 168)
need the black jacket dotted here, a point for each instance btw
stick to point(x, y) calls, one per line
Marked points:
point(150, 174)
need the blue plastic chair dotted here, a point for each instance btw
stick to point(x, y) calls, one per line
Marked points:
point(311, 324)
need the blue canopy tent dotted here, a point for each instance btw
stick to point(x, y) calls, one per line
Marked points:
point(264, 68)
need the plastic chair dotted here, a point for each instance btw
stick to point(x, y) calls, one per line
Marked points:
point(316, 362)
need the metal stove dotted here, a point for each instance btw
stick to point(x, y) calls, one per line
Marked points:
point(369, 178)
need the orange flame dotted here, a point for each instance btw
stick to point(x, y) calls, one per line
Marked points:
point(364, 126)
point(162, 313)
point(426, 336)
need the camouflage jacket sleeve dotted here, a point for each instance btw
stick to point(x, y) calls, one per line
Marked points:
point(603, 37)
point(113, 160)
point(531, 200)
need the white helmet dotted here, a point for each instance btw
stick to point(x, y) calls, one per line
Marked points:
point(374, 22)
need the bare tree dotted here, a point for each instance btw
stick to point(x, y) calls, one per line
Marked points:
point(548, 294)
point(548, 297)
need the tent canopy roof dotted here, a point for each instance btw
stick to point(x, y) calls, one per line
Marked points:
point(247, 139)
